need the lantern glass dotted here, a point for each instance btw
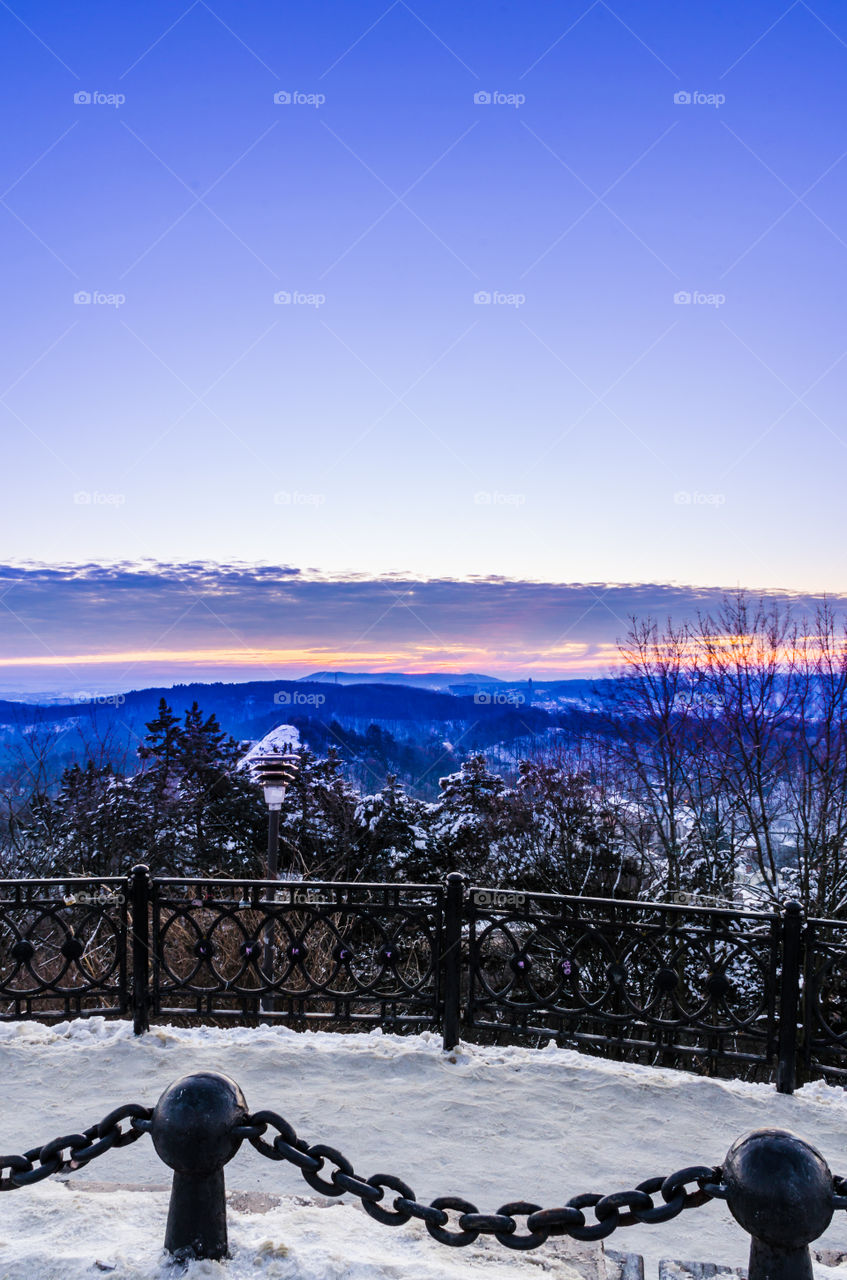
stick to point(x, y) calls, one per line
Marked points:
point(274, 794)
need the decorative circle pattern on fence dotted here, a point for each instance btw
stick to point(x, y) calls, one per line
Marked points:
point(709, 989)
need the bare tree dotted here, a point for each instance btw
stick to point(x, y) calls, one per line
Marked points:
point(748, 685)
point(816, 764)
point(649, 711)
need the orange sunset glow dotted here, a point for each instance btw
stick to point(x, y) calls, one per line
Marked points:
point(414, 659)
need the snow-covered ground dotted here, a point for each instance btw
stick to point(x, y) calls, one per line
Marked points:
point(488, 1124)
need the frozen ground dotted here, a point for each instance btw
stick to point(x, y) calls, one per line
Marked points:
point(488, 1124)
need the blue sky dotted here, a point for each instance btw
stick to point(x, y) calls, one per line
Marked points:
point(286, 360)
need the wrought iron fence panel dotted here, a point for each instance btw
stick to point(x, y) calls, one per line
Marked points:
point(63, 947)
point(298, 950)
point(824, 1029)
point(635, 979)
point(704, 988)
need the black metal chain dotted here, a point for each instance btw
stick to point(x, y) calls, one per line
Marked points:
point(448, 1219)
point(839, 1192)
point(620, 1209)
point(75, 1149)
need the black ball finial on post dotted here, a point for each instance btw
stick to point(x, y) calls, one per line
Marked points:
point(780, 1189)
point(192, 1131)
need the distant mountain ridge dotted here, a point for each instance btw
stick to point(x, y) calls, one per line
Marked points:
point(440, 680)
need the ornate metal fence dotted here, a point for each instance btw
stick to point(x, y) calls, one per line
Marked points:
point(724, 992)
point(692, 986)
point(312, 952)
point(63, 947)
point(824, 1021)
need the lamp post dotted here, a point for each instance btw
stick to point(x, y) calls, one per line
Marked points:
point(274, 771)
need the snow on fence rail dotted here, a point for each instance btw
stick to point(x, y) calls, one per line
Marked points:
point(709, 989)
point(778, 1187)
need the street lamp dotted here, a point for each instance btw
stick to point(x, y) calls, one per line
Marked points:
point(274, 770)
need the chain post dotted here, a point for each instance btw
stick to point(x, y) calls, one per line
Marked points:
point(780, 1190)
point(778, 1187)
point(192, 1130)
point(140, 896)
point(789, 997)
point(453, 911)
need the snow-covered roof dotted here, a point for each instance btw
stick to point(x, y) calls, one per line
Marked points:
point(283, 738)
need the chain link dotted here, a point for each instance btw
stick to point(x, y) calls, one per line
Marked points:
point(449, 1219)
point(456, 1222)
point(75, 1149)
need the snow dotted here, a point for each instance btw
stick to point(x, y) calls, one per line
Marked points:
point(489, 1124)
point(285, 737)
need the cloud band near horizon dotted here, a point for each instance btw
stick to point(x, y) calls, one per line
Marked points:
point(127, 625)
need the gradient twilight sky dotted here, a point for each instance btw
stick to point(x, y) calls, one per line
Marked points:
point(383, 426)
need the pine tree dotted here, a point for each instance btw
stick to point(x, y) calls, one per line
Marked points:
point(319, 833)
point(393, 840)
point(465, 821)
point(220, 819)
point(204, 814)
point(95, 822)
point(562, 837)
point(157, 787)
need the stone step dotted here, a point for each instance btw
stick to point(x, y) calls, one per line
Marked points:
point(624, 1266)
point(672, 1270)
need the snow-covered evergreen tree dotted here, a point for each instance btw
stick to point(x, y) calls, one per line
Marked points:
point(318, 827)
point(94, 825)
point(562, 836)
point(393, 836)
point(465, 822)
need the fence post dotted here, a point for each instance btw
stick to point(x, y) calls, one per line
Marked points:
point(780, 1189)
point(140, 889)
point(453, 912)
point(789, 997)
point(194, 1131)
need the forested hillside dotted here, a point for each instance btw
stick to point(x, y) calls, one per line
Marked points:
point(715, 765)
